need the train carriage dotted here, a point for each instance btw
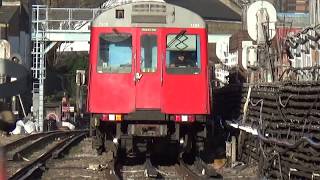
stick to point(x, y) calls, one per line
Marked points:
point(137, 93)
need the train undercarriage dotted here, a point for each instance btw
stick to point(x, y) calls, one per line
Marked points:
point(137, 137)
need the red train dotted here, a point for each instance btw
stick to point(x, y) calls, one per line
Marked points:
point(148, 78)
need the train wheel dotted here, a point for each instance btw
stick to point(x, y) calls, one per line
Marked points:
point(200, 140)
point(91, 130)
point(97, 135)
point(109, 145)
point(99, 141)
point(188, 146)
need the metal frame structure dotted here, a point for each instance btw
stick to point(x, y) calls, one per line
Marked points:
point(49, 26)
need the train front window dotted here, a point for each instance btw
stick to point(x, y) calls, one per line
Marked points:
point(115, 53)
point(183, 54)
point(149, 53)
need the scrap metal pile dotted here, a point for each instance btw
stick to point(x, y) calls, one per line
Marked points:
point(286, 119)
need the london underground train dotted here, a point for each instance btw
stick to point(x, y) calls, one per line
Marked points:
point(148, 82)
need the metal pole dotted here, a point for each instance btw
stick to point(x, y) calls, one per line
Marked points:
point(41, 94)
point(317, 8)
point(311, 12)
point(2, 80)
point(22, 106)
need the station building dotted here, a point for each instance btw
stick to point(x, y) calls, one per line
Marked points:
point(15, 27)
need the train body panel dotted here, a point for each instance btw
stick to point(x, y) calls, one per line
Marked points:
point(148, 85)
point(185, 90)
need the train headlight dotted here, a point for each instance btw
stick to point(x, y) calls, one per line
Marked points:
point(112, 117)
point(184, 118)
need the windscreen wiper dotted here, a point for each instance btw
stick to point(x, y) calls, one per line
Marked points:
point(178, 36)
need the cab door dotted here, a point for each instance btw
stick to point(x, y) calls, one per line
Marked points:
point(112, 70)
point(185, 89)
point(148, 71)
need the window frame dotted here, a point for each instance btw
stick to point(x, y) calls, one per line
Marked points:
point(157, 53)
point(98, 54)
point(184, 70)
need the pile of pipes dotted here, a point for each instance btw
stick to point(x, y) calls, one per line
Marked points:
point(285, 122)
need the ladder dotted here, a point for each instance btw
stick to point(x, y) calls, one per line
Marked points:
point(38, 67)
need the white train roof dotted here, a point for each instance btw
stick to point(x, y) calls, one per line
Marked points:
point(142, 13)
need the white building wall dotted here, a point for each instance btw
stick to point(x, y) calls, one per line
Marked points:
point(76, 46)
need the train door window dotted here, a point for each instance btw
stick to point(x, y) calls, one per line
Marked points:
point(149, 53)
point(183, 54)
point(115, 53)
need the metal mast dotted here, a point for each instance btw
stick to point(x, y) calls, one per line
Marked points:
point(314, 8)
point(38, 67)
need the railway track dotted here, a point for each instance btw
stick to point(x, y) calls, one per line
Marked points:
point(163, 169)
point(68, 155)
point(27, 155)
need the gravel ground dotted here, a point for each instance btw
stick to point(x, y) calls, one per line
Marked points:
point(81, 163)
point(169, 172)
point(243, 172)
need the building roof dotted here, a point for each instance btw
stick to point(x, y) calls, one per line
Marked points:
point(208, 9)
point(6, 13)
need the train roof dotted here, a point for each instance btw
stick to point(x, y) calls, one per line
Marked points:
point(149, 14)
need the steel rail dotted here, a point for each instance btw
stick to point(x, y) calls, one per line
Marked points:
point(113, 170)
point(188, 174)
point(38, 144)
point(29, 169)
point(15, 144)
point(68, 145)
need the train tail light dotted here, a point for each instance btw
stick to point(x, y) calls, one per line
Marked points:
point(177, 118)
point(105, 117)
point(112, 117)
point(184, 118)
point(191, 118)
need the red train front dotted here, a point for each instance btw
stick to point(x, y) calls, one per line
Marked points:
point(148, 80)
